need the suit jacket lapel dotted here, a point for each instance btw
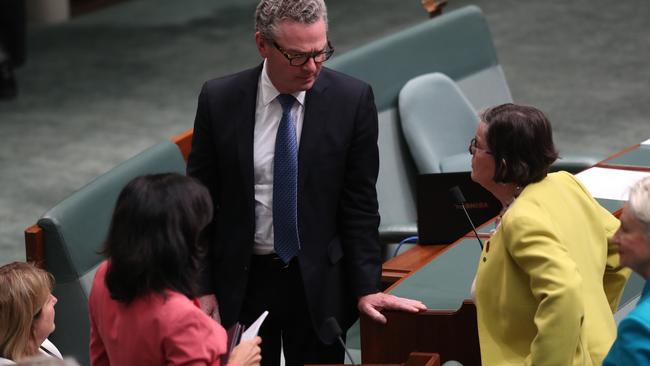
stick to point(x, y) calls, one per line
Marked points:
point(316, 109)
point(245, 128)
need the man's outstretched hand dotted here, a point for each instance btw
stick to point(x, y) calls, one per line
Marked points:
point(373, 304)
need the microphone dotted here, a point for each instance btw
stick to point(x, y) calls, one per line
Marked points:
point(330, 330)
point(459, 198)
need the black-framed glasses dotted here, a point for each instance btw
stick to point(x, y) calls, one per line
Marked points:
point(299, 59)
point(473, 147)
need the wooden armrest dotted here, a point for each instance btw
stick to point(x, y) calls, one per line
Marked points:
point(423, 359)
point(34, 250)
point(397, 268)
point(433, 7)
point(184, 142)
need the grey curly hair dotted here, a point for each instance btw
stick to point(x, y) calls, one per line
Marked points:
point(639, 203)
point(270, 12)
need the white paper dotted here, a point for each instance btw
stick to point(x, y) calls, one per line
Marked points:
point(613, 184)
point(646, 142)
point(252, 331)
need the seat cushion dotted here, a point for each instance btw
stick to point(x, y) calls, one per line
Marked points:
point(437, 120)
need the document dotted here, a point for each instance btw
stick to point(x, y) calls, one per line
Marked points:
point(254, 328)
point(613, 184)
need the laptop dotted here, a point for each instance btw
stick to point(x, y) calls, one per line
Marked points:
point(440, 219)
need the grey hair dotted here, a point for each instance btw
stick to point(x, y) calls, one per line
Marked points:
point(639, 203)
point(271, 12)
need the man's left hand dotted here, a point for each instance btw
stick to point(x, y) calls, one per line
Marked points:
point(372, 304)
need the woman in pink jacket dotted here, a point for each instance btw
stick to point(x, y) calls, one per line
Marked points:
point(143, 307)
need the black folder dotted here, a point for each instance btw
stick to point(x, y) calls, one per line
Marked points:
point(234, 336)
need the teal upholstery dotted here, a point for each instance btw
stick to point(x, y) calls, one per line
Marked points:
point(573, 163)
point(458, 44)
point(438, 123)
point(396, 181)
point(73, 235)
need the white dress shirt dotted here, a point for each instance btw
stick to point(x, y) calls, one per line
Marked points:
point(268, 113)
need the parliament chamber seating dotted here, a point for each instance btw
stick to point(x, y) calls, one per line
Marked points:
point(457, 44)
point(68, 240)
point(428, 105)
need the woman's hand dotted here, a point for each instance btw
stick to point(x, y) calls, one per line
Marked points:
point(247, 353)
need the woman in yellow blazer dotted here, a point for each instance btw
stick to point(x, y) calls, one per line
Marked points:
point(548, 280)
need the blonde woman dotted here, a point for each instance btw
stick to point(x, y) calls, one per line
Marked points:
point(26, 313)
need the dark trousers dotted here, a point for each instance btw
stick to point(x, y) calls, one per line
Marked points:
point(279, 290)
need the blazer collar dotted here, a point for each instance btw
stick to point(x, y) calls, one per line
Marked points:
point(317, 110)
point(646, 290)
point(244, 118)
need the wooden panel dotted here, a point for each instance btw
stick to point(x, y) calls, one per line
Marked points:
point(423, 359)
point(414, 359)
point(624, 151)
point(184, 142)
point(408, 262)
point(453, 335)
point(624, 167)
point(34, 248)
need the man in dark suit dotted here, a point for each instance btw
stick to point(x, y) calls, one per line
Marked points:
point(289, 152)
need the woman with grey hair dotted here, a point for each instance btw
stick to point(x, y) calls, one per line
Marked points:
point(632, 345)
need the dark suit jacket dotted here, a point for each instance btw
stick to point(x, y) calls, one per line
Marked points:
point(337, 202)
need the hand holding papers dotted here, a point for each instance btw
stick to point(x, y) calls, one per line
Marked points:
point(254, 328)
point(243, 344)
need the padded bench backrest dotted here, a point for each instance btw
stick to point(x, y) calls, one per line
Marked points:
point(74, 232)
point(438, 123)
point(457, 44)
point(396, 182)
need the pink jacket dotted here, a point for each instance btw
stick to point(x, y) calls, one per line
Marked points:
point(151, 330)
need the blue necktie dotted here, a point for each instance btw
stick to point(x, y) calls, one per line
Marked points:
point(285, 184)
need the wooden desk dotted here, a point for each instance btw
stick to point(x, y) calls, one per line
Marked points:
point(450, 331)
point(636, 157)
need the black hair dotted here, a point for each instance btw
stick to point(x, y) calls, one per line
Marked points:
point(153, 243)
point(520, 139)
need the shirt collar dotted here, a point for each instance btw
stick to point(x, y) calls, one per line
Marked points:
point(646, 290)
point(269, 92)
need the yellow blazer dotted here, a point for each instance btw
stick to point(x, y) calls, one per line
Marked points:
point(549, 279)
